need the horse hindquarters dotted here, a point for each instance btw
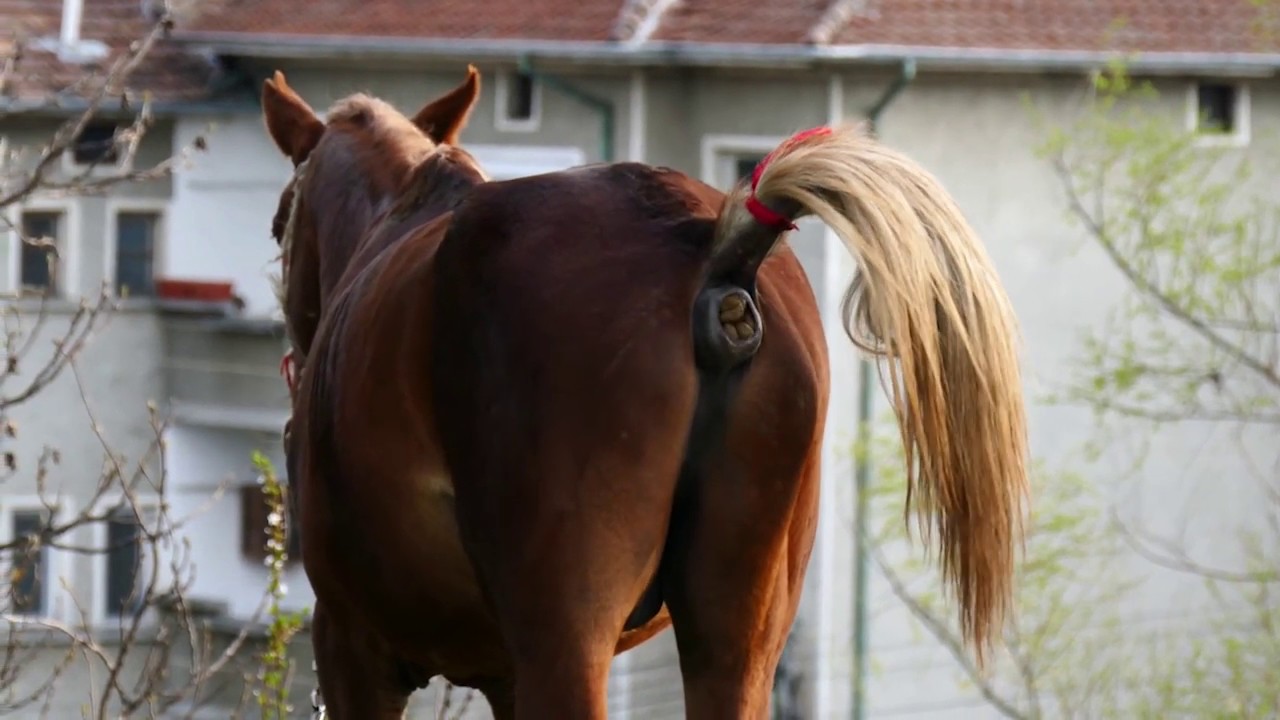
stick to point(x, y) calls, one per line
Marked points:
point(566, 531)
point(564, 433)
point(745, 518)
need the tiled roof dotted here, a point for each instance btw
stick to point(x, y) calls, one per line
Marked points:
point(1214, 26)
point(30, 34)
point(740, 21)
point(1133, 25)
point(1205, 26)
point(453, 19)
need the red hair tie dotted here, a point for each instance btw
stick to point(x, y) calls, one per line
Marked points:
point(286, 370)
point(762, 213)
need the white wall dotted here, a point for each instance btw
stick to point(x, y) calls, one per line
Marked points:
point(1060, 285)
point(199, 459)
point(220, 221)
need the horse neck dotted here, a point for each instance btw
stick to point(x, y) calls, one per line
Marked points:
point(435, 187)
point(345, 204)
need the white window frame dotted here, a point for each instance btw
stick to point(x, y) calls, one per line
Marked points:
point(719, 152)
point(56, 607)
point(98, 615)
point(69, 267)
point(117, 205)
point(501, 117)
point(1240, 134)
point(72, 168)
point(720, 155)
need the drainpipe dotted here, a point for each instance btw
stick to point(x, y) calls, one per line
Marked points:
point(603, 107)
point(862, 471)
point(72, 11)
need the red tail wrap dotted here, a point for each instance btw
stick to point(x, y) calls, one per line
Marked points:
point(286, 371)
point(762, 213)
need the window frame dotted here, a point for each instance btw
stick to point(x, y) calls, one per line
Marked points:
point(1239, 135)
point(54, 560)
point(721, 152)
point(68, 277)
point(110, 253)
point(122, 163)
point(98, 612)
point(502, 113)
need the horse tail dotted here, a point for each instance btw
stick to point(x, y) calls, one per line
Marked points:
point(926, 295)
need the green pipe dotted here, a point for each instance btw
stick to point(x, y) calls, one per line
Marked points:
point(600, 105)
point(862, 471)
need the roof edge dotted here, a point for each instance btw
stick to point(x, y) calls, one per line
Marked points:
point(10, 107)
point(278, 46)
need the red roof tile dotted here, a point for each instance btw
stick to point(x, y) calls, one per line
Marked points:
point(1143, 25)
point(1211, 26)
point(1214, 26)
point(31, 30)
point(452, 19)
point(741, 21)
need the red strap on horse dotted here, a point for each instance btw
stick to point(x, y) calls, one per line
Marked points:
point(286, 370)
point(761, 212)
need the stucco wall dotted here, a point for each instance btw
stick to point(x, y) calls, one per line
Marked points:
point(974, 133)
point(224, 203)
point(88, 233)
point(119, 373)
point(978, 138)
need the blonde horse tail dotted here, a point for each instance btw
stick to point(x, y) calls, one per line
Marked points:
point(927, 298)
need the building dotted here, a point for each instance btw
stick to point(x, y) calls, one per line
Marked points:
point(704, 86)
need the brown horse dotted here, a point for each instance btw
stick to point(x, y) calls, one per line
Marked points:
point(533, 414)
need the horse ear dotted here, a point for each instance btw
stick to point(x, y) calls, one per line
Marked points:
point(443, 119)
point(292, 123)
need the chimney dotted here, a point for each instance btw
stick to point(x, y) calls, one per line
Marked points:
point(72, 12)
point(69, 46)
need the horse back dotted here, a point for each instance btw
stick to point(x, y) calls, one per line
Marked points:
point(564, 356)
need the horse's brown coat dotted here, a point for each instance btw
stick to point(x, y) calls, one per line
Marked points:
point(501, 436)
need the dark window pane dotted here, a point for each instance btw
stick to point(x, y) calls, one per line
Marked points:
point(96, 144)
point(1216, 104)
point(35, 260)
point(123, 560)
point(520, 97)
point(27, 578)
point(745, 166)
point(135, 253)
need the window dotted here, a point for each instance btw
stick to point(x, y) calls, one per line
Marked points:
point(29, 569)
point(38, 268)
point(135, 253)
point(255, 517)
point(1218, 112)
point(96, 144)
point(520, 97)
point(746, 165)
point(1216, 106)
point(519, 101)
point(123, 563)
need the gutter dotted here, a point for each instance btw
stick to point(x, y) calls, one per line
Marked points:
point(862, 470)
point(604, 108)
point(663, 53)
point(232, 91)
point(10, 107)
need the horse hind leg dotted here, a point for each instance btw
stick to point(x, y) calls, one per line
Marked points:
point(741, 533)
point(563, 581)
point(358, 677)
point(733, 587)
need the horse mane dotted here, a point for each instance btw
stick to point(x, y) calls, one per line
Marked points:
point(385, 126)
